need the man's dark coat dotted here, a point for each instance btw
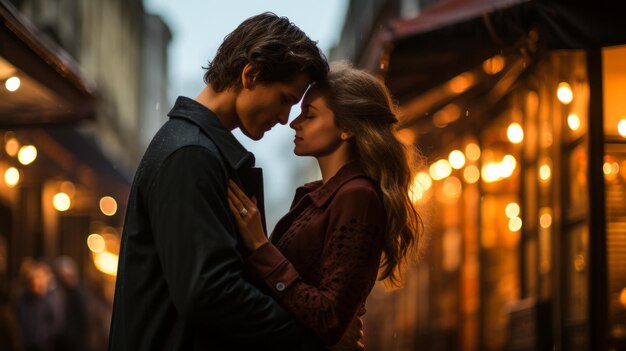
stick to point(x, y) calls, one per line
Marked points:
point(179, 283)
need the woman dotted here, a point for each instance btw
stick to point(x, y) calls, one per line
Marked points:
point(325, 254)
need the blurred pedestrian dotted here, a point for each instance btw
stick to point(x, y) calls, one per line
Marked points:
point(34, 311)
point(72, 331)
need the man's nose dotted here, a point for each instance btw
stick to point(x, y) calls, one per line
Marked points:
point(284, 117)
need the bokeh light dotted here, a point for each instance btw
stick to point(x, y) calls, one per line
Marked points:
point(564, 93)
point(61, 202)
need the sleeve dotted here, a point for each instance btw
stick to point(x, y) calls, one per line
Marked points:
point(195, 240)
point(349, 266)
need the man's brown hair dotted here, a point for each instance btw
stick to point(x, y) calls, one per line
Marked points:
point(276, 48)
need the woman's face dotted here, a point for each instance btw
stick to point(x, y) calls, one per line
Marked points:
point(317, 134)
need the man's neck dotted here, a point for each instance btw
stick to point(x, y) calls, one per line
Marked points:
point(222, 104)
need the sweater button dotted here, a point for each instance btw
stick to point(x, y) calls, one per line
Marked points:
point(280, 286)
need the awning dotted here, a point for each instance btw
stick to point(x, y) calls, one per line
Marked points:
point(52, 90)
point(453, 36)
point(84, 148)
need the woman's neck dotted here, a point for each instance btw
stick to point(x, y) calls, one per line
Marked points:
point(331, 164)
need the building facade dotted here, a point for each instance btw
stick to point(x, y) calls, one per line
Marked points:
point(524, 130)
point(73, 138)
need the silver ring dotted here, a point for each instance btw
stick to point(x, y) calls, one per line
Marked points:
point(243, 212)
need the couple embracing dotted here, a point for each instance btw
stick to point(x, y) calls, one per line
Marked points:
point(196, 269)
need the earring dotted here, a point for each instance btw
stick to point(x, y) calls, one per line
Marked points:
point(344, 136)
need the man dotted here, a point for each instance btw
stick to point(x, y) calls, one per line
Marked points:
point(179, 283)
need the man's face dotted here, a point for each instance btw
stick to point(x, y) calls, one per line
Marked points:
point(260, 106)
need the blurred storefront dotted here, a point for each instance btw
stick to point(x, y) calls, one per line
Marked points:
point(80, 97)
point(519, 109)
point(57, 186)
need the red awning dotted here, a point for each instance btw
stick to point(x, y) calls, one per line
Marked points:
point(445, 13)
point(52, 89)
point(453, 36)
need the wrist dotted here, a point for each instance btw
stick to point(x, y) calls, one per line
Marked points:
point(258, 243)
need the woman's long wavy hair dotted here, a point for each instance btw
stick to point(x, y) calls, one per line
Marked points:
point(362, 105)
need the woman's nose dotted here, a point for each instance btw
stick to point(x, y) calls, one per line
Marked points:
point(295, 124)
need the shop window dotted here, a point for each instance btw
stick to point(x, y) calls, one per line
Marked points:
point(614, 168)
point(577, 287)
point(501, 225)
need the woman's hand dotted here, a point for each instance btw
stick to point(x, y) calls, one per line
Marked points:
point(247, 217)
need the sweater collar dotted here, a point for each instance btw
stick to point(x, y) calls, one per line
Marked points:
point(321, 194)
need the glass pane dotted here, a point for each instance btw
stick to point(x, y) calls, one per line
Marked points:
point(615, 178)
point(578, 196)
point(614, 91)
point(576, 266)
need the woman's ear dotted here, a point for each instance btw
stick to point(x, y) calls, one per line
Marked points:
point(345, 135)
point(249, 75)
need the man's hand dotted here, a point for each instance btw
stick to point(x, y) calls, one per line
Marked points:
point(352, 340)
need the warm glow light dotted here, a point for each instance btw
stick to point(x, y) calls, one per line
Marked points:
point(579, 263)
point(424, 180)
point(108, 205)
point(452, 188)
point(622, 297)
point(440, 169)
point(621, 127)
point(471, 174)
point(12, 84)
point(573, 121)
point(461, 82)
point(490, 172)
point(610, 168)
point(494, 65)
point(406, 136)
point(12, 147)
point(512, 210)
point(472, 151)
point(545, 172)
point(515, 224)
point(507, 166)
point(564, 93)
point(12, 177)
point(61, 202)
point(515, 133)
point(456, 159)
point(106, 262)
point(495, 171)
point(545, 221)
point(27, 154)
point(95, 242)
point(446, 115)
point(614, 168)
point(416, 193)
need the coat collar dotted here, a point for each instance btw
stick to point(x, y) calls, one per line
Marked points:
point(235, 154)
point(321, 194)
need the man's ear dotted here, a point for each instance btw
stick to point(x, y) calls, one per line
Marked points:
point(249, 75)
